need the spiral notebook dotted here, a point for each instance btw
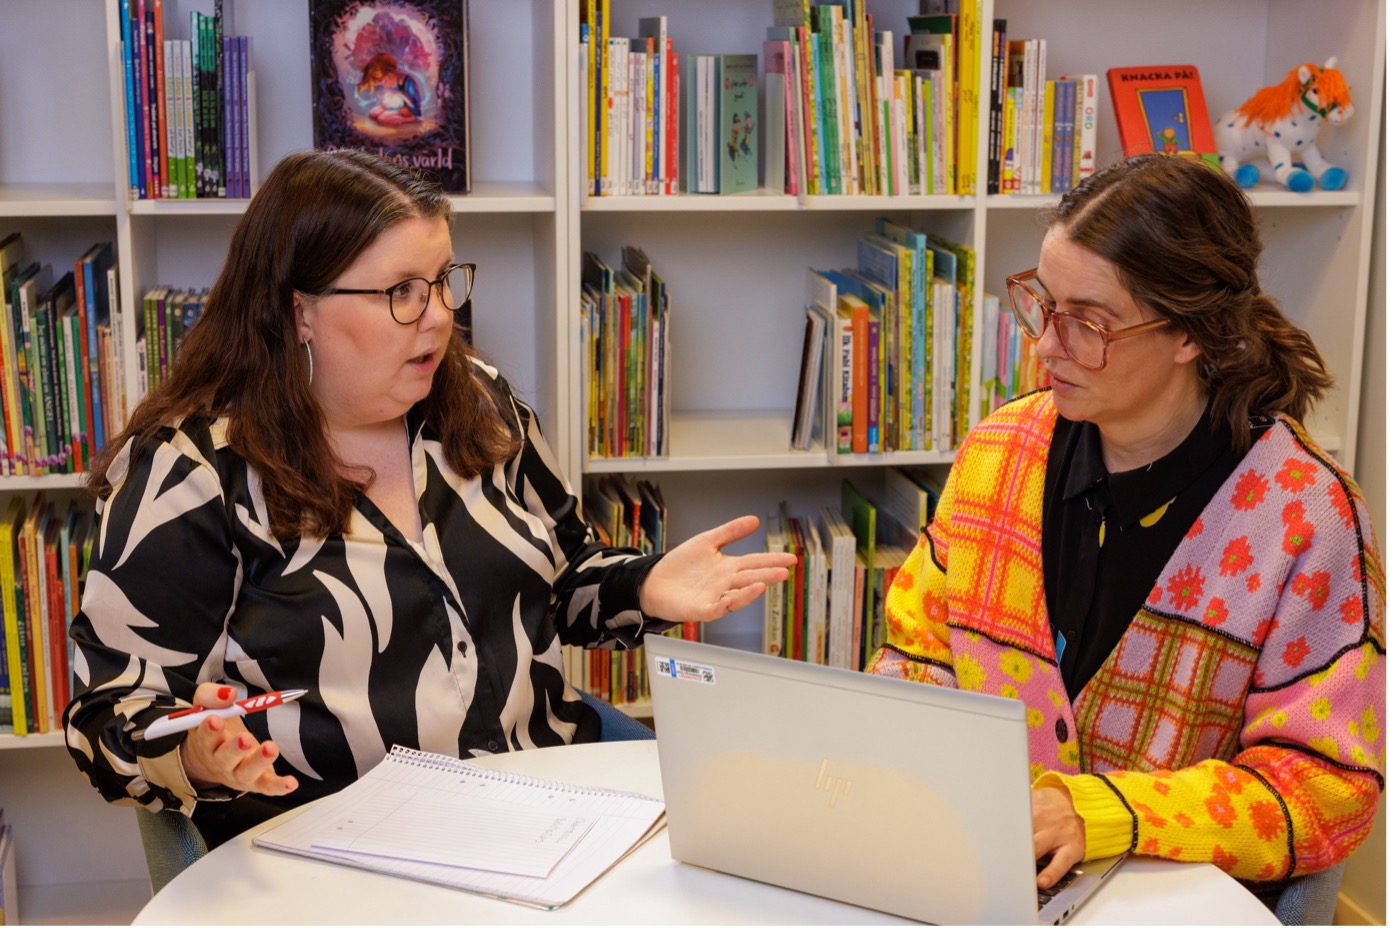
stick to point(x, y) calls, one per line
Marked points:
point(439, 819)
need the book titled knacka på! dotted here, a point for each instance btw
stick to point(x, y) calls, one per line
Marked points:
point(1161, 108)
point(391, 77)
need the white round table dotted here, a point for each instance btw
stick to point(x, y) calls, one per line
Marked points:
point(242, 884)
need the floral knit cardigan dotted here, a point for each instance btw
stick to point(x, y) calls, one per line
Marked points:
point(1240, 718)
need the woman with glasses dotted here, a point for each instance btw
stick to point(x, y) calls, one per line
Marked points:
point(333, 493)
point(1154, 556)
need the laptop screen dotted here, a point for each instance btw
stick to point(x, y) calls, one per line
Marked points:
point(909, 799)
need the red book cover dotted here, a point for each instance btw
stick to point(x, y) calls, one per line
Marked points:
point(1161, 108)
point(34, 609)
point(57, 624)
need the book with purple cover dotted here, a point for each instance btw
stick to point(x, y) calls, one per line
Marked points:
point(391, 78)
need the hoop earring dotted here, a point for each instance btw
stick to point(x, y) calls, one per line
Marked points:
point(310, 352)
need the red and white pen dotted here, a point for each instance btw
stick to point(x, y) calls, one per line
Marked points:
point(186, 719)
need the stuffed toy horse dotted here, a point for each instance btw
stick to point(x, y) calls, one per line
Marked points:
point(1283, 121)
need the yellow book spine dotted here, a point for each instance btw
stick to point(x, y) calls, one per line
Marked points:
point(35, 612)
point(10, 604)
point(1048, 111)
point(968, 137)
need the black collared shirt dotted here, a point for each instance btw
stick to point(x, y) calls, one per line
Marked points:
point(1107, 536)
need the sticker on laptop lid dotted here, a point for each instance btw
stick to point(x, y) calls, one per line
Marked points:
point(683, 670)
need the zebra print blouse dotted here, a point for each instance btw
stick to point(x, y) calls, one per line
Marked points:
point(451, 645)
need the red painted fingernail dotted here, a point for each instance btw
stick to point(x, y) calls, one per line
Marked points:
point(224, 692)
point(267, 751)
point(244, 742)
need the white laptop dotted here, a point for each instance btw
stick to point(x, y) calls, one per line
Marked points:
point(897, 796)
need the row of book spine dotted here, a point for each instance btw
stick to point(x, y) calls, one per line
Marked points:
point(61, 371)
point(44, 554)
point(188, 105)
point(1009, 365)
point(850, 121)
point(831, 608)
point(166, 317)
point(1042, 131)
point(624, 515)
point(895, 352)
point(625, 330)
point(629, 103)
point(838, 117)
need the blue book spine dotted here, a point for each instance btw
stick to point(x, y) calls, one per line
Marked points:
point(128, 81)
point(96, 433)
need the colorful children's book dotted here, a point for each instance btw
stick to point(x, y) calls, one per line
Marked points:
point(1161, 108)
point(391, 77)
point(737, 138)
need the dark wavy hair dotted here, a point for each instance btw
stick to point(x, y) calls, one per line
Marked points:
point(1184, 240)
point(311, 218)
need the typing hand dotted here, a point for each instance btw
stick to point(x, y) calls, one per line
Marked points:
point(1057, 831)
point(221, 752)
point(697, 582)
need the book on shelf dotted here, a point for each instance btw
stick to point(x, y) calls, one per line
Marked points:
point(916, 327)
point(392, 77)
point(910, 496)
point(774, 599)
point(624, 515)
point(856, 312)
point(1161, 108)
point(9, 876)
point(807, 414)
point(16, 627)
point(626, 339)
point(1084, 125)
point(524, 840)
point(13, 461)
point(837, 540)
point(795, 637)
point(861, 513)
point(187, 105)
point(997, 87)
point(28, 284)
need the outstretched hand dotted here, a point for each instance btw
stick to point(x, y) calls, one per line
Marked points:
point(222, 752)
point(697, 582)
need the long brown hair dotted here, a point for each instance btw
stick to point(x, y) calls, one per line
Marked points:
point(314, 214)
point(1184, 241)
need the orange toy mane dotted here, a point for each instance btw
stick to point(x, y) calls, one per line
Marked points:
point(1272, 103)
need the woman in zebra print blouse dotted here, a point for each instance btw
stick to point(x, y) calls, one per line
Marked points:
point(332, 492)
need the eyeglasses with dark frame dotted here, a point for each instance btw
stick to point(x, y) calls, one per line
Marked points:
point(408, 298)
point(1085, 342)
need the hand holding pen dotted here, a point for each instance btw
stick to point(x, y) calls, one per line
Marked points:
point(220, 751)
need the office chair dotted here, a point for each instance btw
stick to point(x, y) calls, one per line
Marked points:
point(615, 725)
point(1311, 899)
point(171, 843)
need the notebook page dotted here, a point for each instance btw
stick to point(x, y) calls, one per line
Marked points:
point(621, 821)
point(470, 822)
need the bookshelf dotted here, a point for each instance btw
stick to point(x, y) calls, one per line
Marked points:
point(734, 265)
point(736, 333)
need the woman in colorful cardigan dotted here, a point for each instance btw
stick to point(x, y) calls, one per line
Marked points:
point(1154, 556)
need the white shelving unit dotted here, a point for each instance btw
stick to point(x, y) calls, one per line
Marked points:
point(734, 265)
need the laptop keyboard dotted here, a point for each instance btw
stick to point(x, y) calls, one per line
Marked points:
point(1045, 895)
